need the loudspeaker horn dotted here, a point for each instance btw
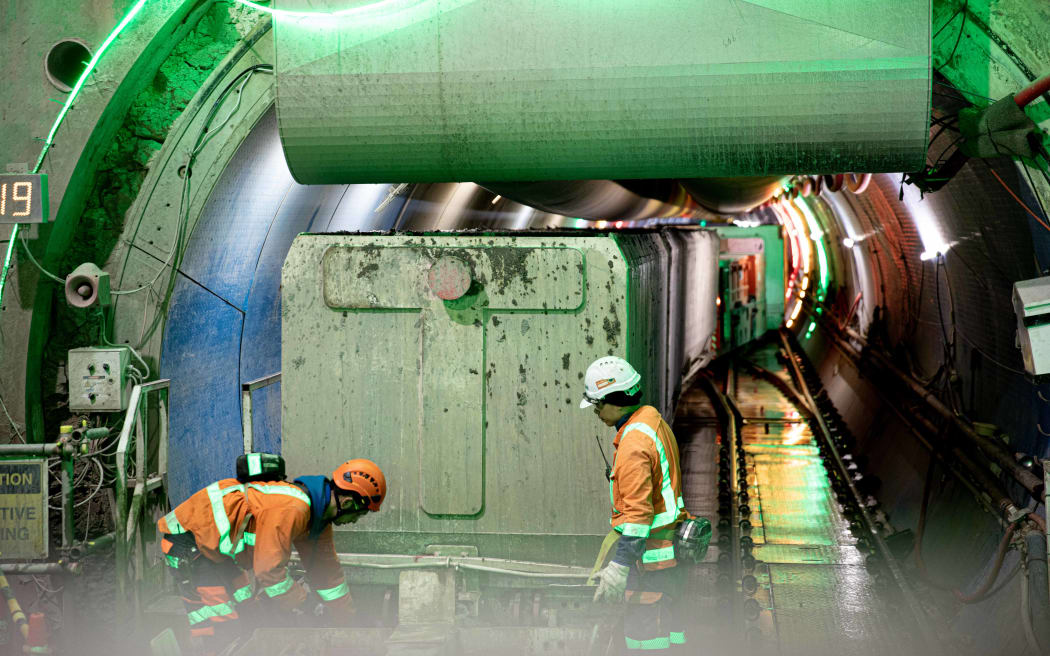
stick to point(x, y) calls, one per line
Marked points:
point(86, 286)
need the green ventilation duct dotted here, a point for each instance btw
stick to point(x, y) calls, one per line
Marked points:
point(512, 90)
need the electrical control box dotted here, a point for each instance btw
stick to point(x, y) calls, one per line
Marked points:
point(98, 379)
point(1032, 305)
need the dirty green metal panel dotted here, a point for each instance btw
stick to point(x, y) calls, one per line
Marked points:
point(773, 272)
point(453, 90)
point(469, 405)
point(522, 282)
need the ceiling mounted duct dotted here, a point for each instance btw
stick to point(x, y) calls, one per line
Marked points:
point(513, 90)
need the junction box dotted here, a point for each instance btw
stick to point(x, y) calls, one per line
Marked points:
point(98, 379)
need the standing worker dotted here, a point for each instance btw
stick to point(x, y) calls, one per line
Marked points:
point(645, 485)
point(231, 527)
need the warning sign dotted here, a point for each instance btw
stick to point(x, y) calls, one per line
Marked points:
point(23, 509)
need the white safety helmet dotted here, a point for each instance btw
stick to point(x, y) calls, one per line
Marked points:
point(607, 375)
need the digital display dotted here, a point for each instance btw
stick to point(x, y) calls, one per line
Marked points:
point(23, 198)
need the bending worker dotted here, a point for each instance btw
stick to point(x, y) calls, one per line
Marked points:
point(645, 485)
point(229, 528)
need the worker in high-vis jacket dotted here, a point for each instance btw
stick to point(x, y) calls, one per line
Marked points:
point(229, 529)
point(645, 486)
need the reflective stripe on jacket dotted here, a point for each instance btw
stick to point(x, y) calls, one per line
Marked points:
point(646, 485)
point(256, 524)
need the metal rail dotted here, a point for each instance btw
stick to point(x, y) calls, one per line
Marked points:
point(246, 406)
point(520, 568)
point(135, 432)
point(932, 644)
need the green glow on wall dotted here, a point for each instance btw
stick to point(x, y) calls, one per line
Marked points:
point(381, 5)
point(817, 235)
point(73, 93)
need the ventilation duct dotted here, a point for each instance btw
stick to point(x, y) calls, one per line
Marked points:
point(528, 90)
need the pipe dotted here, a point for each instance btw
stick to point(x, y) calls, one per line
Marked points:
point(991, 448)
point(13, 606)
point(1037, 611)
point(78, 551)
point(67, 499)
point(1026, 95)
point(52, 449)
point(991, 492)
point(60, 567)
point(491, 565)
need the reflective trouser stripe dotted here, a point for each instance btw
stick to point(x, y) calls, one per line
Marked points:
point(331, 594)
point(633, 530)
point(242, 594)
point(658, 555)
point(677, 638)
point(249, 539)
point(172, 561)
point(279, 588)
point(174, 527)
point(207, 612)
point(653, 643)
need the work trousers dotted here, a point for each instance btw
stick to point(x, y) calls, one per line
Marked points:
point(211, 593)
point(653, 619)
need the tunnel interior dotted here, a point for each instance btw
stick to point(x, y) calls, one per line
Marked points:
point(896, 292)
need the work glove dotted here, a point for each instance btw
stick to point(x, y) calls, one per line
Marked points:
point(612, 583)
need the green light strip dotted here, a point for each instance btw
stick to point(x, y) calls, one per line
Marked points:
point(83, 79)
point(316, 14)
point(73, 93)
point(7, 262)
point(817, 235)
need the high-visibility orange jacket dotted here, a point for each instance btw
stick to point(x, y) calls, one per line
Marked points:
point(646, 485)
point(256, 524)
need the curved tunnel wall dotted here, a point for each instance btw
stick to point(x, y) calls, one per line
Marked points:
point(224, 324)
point(908, 308)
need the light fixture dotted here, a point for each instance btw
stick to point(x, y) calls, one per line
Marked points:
point(848, 243)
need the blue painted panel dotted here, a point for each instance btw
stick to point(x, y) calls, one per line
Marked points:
point(304, 209)
point(226, 241)
point(199, 355)
point(356, 210)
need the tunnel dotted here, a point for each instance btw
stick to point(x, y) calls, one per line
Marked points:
point(831, 287)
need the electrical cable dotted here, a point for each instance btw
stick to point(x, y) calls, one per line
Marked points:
point(983, 591)
point(98, 486)
point(962, 28)
point(185, 202)
point(14, 425)
point(143, 375)
point(976, 347)
point(1019, 201)
point(25, 246)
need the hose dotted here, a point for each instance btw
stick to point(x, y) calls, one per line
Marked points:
point(982, 592)
point(1036, 606)
point(12, 605)
point(1026, 95)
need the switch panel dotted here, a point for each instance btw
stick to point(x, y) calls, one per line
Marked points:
point(97, 379)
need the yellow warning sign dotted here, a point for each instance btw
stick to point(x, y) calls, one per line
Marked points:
point(23, 509)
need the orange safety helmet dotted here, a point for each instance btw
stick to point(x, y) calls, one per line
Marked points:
point(363, 477)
